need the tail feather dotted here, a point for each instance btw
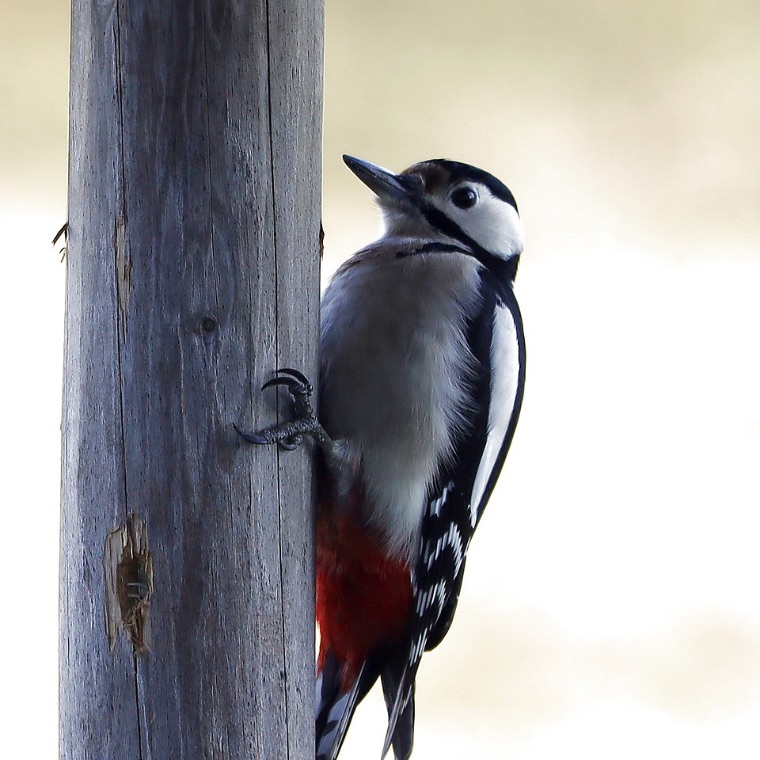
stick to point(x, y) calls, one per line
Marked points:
point(400, 711)
point(336, 705)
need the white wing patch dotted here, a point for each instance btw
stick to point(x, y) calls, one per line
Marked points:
point(435, 506)
point(505, 371)
point(451, 539)
point(434, 596)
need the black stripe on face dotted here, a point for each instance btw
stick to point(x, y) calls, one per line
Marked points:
point(439, 221)
point(504, 268)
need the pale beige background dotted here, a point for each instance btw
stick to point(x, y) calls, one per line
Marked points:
point(612, 603)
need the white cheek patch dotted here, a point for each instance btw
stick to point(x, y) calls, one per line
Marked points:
point(495, 225)
point(492, 223)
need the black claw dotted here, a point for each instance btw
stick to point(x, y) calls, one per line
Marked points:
point(288, 381)
point(290, 444)
point(296, 374)
point(293, 380)
point(250, 437)
point(300, 390)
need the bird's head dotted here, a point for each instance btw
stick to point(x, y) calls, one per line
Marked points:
point(446, 199)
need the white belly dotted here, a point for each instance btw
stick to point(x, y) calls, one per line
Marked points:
point(394, 369)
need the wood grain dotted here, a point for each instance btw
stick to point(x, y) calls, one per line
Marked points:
point(193, 272)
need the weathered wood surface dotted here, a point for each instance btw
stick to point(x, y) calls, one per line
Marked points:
point(192, 274)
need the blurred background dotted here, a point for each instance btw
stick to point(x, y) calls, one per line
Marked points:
point(611, 606)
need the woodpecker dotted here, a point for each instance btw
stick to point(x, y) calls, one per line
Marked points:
point(422, 369)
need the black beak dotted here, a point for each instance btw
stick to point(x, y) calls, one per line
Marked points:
point(391, 188)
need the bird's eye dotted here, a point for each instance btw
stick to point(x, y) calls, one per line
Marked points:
point(464, 197)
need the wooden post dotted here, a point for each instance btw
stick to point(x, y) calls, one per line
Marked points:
point(186, 603)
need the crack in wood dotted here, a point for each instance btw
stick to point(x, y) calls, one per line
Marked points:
point(123, 266)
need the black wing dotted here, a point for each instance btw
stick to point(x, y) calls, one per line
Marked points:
point(464, 486)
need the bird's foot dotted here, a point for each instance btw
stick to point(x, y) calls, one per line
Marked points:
point(290, 434)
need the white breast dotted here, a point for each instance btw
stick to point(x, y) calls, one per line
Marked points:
point(394, 367)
